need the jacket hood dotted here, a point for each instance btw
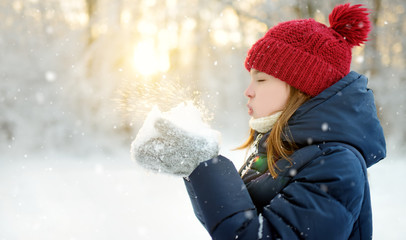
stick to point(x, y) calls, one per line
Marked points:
point(344, 112)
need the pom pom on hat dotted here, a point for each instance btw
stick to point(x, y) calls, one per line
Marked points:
point(351, 22)
point(307, 54)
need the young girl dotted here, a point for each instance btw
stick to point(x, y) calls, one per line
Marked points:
point(314, 131)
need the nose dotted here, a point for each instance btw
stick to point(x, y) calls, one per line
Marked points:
point(249, 92)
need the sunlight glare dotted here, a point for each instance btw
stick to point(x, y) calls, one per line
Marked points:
point(226, 28)
point(149, 60)
point(125, 17)
point(146, 27)
point(75, 12)
point(17, 5)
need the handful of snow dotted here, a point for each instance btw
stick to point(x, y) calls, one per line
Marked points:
point(175, 141)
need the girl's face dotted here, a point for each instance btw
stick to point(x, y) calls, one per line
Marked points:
point(266, 94)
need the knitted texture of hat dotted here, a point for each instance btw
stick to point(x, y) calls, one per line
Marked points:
point(307, 54)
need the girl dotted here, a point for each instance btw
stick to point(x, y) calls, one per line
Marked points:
point(314, 131)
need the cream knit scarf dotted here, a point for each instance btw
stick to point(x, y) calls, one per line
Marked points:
point(264, 124)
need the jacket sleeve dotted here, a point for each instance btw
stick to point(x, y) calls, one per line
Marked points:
point(322, 201)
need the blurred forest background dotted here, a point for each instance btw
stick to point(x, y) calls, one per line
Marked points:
point(79, 76)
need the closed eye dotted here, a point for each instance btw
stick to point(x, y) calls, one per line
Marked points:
point(261, 80)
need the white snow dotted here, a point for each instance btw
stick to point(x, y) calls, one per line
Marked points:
point(95, 198)
point(185, 116)
point(324, 127)
point(147, 131)
point(388, 198)
point(188, 117)
point(50, 76)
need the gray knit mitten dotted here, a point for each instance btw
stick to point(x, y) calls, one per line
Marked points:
point(172, 149)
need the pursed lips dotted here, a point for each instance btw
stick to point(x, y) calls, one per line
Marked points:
point(250, 110)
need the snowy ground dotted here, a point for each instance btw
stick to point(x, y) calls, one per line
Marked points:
point(101, 197)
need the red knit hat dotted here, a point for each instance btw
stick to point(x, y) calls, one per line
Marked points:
point(307, 54)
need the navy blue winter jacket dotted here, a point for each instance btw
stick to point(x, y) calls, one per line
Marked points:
point(325, 196)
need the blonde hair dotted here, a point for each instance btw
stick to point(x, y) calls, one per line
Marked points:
point(279, 143)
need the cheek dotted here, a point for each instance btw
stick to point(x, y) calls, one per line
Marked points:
point(275, 100)
point(280, 94)
point(281, 98)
